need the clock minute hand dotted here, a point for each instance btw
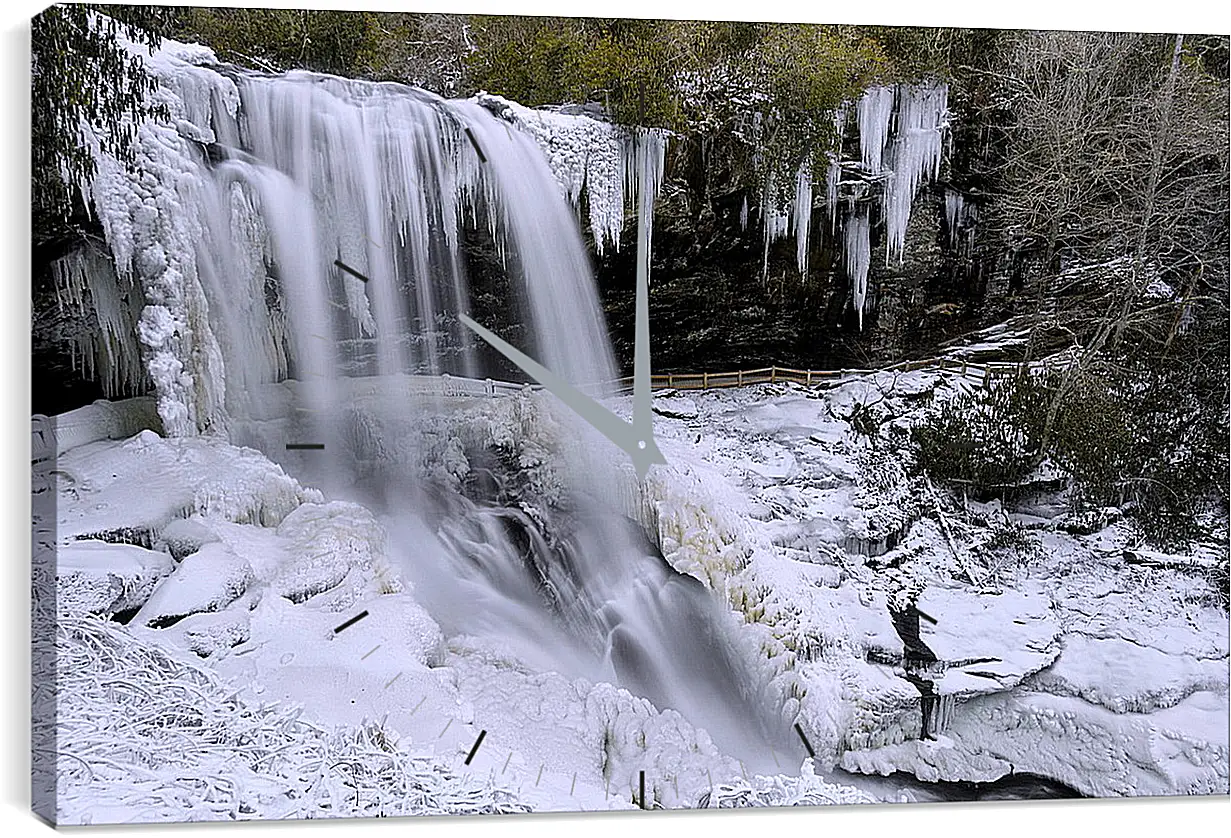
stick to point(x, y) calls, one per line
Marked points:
point(628, 436)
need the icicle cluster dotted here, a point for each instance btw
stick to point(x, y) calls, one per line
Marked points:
point(802, 215)
point(584, 154)
point(874, 110)
point(916, 151)
point(901, 131)
point(86, 281)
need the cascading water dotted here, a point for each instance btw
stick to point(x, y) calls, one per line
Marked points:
point(297, 240)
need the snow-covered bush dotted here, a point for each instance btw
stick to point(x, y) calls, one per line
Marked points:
point(782, 790)
point(986, 439)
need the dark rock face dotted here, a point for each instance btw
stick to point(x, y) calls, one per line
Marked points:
point(715, 308)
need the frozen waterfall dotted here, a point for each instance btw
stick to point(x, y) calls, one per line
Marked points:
point(308, 226)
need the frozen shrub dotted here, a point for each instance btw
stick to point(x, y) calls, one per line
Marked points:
point(987, 439)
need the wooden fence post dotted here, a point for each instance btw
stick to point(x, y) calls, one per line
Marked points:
point(740, 377)
point(809, 379)
point(773, 375)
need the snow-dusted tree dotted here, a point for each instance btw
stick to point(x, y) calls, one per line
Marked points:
point(1114, 180)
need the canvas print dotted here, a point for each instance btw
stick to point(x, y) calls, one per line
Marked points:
point(446, 414)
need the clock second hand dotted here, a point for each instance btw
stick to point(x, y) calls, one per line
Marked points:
point(628, 436)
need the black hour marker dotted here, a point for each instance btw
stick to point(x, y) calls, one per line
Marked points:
point(475, 143)
point(477, 743)
point(807, 744)
point(349, 270)
point(351, 621)
point(305, 446)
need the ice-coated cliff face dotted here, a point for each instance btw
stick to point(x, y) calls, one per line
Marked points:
point(901, 134)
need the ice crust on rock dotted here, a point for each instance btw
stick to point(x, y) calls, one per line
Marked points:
point(146, 482)
point(97, 577)
point(152, 225)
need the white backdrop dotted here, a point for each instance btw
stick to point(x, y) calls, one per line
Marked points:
point(1131, 817)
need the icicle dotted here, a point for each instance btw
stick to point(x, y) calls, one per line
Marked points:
point(857, 255)
point(775, 220)
point(874, 109)
point(743, 214)
point(833, 177)
point(644, 183)
point(802, 215)
point(954, 206)
point(915, 152)
point(840, 115)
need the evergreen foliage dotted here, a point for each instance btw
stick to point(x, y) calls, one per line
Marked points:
point(80, 74)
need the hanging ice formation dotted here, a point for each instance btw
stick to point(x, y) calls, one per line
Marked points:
point(915, 153)
point(857, 253)
point(583, 154)
point(109, 352)
point(901, 131)
point(960, 219)
point(230, 230)
point(874, 109)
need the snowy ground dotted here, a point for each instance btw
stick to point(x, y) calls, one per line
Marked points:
point(233, 583)
point(1058, 658)
point(236, 657)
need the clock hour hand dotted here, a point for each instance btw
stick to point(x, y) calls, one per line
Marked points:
point(639, 445)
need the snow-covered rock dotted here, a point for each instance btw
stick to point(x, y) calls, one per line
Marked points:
point(146, 482)
point(96, 577)
point(206, 581)
point(331, 543)
point(675, 407)
point(988, 642)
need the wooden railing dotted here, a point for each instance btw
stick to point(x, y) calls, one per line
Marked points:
point(121, 419)
point(809, 378)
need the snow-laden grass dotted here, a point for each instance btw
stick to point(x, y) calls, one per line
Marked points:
point(147, 736)
point(783, 790)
